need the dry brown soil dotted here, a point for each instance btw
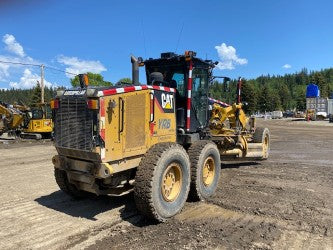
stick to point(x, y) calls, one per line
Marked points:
point(283, 203)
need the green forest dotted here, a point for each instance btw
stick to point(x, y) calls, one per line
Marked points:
point(265, 93)
point(26, 96)
point(269, 93)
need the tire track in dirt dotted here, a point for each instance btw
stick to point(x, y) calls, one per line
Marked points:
point(36, 215)
point(283, 203)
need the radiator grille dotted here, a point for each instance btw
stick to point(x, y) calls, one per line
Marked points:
point(74, 124)
point(135, 121)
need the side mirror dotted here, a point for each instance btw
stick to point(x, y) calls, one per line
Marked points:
point(226, 81)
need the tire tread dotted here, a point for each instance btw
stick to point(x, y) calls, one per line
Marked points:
point(194, 152)
point(144, 178)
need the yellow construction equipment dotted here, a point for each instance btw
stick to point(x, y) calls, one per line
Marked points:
point(39, 123)
point(164, 141)
point(11, 118)
point(28, 123)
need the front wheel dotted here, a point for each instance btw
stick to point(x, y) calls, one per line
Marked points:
point(162, 181)
point(65, 186)
point(262, 135)
point(205, 167)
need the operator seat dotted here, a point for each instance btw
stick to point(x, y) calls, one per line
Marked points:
point(173, 84)
point(156, 78)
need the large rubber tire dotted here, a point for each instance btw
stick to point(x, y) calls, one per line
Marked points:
point(65, 186)
point(149, 178)
point(262, 135)
point(200, 153)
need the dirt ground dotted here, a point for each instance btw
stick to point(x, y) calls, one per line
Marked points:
point(283, 203)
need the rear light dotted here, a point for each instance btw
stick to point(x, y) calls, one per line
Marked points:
point(92, 104)
point(47, 123)
point(189, 55)
point(54, 104)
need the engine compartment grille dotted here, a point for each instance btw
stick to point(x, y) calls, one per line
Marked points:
point(73, 124)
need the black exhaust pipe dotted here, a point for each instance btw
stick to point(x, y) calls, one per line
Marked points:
point(135, 70)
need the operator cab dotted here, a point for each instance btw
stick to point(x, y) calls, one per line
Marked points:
point(41, 112)
point(190, 76)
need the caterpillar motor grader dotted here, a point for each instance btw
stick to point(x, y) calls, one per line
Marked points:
point(164, 141)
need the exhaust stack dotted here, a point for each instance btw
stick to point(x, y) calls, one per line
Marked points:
point(135, 70)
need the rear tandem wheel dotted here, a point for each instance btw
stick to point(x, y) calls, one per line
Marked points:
point(205, 167)
point(162, 181)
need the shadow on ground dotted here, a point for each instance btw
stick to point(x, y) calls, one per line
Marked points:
point(90, 207)
point(239, 164)
point(87, 207)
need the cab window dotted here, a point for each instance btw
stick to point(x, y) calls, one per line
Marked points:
point(179, 78)
point(37, 114)
point(199, 94)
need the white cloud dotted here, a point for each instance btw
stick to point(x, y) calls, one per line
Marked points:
point(28, 81)
point(286, 66)
point(5, 67)
point(18, 56)
point(77, 66)
point(12, 45)
point(228, 57)
point(4, 71)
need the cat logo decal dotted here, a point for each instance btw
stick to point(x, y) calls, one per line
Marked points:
point(167, 101)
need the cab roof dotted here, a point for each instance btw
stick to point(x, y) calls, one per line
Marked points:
point(172, 58)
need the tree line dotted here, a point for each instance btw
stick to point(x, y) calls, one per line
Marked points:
point(30, 97)
point(264, 93)
point(269, 93)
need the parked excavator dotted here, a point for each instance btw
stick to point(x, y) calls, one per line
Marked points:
point(164, 141)
point(25, 122)
point(11, 118)
point(39, 123)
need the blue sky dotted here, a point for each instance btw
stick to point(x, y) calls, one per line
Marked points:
point(249, 38)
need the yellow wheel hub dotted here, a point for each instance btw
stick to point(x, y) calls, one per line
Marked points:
point(208, 171)
point(171, 182)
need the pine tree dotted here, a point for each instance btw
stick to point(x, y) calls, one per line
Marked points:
point(249, 96)
point(300, 98)
point(285, 96)
point(36, 95)
point(275, 103)
point(264, 99)
point(318, 78)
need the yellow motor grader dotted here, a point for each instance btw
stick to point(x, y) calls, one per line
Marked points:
point(164, 140)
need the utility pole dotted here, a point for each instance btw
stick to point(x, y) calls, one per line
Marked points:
point(42, 82)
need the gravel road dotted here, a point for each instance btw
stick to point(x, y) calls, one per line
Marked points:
point(283, 203)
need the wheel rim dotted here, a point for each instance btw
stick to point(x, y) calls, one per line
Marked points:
point(208, 172)
point(171, 182)
point(265, 146)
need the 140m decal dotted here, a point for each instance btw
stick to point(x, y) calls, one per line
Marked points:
point(164, 123)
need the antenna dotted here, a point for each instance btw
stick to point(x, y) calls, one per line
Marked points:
point(180, 34)
point(144, 38)
point(42, 82)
